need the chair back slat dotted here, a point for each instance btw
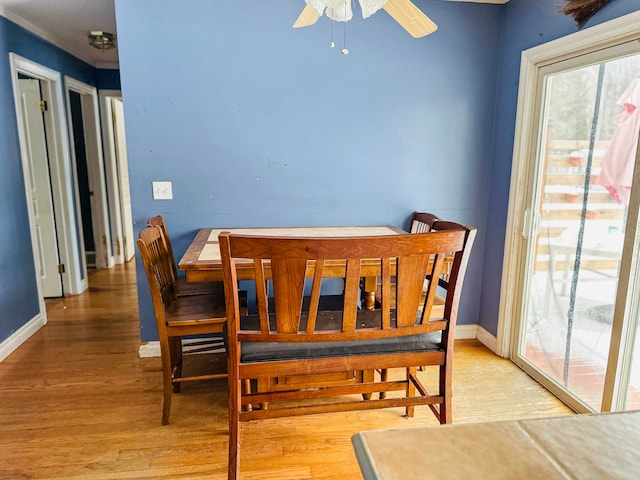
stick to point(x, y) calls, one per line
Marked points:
point(410, 274)
point(262, 295)
point(288, 277)
point(351, 294)
point(385, 304)
point(437, 271)
point(232, 301)
point(316, 288)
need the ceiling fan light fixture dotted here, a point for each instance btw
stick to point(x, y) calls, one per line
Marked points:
point(404, 12)
point(340, 10)
point(102, 40)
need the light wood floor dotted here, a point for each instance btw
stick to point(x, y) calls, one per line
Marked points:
point(76, 402)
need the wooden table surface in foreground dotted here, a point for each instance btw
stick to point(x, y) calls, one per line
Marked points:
point(202, 263)
point(600, 446)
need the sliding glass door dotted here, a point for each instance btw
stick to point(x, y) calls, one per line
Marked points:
point(576, 294)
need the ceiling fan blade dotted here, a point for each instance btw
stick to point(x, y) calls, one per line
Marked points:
point(309, 16)
point(410, 18)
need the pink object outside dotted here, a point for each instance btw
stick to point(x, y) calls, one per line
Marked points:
point(619, 159)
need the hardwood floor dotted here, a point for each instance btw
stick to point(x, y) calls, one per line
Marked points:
point(76, 402)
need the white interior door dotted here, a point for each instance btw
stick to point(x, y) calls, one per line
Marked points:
point(111, 175)
point(123, 179)
point(39, 180)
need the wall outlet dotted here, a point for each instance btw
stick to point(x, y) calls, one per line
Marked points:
point(162, 191)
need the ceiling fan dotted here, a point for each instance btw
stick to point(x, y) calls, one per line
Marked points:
point(404, 12)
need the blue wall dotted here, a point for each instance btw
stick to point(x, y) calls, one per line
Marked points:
point(18, 295)
point(527, 24)
point(107, 79)
point(18, 290)
point(258, 124)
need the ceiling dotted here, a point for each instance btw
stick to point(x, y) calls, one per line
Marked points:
point(66, 24)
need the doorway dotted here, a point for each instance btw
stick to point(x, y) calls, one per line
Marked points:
point(117, 176)
point(58, 262)
point(32, 106)
point(573, 248)
point(87, 159)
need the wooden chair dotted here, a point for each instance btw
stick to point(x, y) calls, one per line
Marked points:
point(177, 317)
point(422, 222)
point(182, 287)
point(291, 340)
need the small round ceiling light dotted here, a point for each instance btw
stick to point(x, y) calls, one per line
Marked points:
point(102, 40)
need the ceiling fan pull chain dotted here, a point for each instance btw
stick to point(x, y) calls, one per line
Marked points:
point(331, 44)
point(344, 50)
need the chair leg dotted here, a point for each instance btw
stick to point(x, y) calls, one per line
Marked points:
point(411, 390)
point(246, 389)
point(166, 404)
point(262, 385)
point(175, 344)
point(446, 392)
point(362, 376)
point(167, 380)
point(235, 402)
point(384, 376)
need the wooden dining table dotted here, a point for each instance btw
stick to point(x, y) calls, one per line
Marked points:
point(202, 261)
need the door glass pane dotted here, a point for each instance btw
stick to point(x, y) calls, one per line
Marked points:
point(586, 156)
point(632, 400)
point(631, 384)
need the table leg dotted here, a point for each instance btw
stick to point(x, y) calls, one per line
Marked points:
point(369, 293)
point(367, 377)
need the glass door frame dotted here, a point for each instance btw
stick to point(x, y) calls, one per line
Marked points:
point(626, 315)
point(587, 47)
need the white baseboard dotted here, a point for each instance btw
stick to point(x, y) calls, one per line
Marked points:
point(466, 332)
point(152, 349)
point(21, 335)
point(463, 332)
point(488, 339)
point(149, 349)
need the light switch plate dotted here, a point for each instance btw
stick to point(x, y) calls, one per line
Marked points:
point(162, 191)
